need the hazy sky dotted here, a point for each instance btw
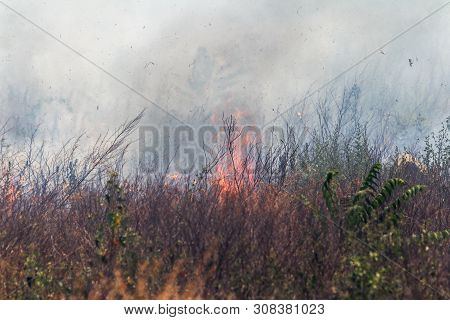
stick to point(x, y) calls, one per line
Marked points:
point(222, 55)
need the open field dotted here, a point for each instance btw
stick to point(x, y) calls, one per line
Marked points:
point(290, 227)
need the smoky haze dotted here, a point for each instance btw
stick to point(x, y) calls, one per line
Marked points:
point(260, 57)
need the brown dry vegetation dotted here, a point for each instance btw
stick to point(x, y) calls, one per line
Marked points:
point(89, 233)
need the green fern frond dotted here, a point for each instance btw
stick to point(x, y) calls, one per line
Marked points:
point(386, 192)
point(406, 196)
point(431, 236)
point(436, 236)
point(371, 181)
point(328, 192)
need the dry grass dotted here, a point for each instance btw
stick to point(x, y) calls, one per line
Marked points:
point(87, 234)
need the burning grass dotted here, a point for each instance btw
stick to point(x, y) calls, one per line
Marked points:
point(275, 231)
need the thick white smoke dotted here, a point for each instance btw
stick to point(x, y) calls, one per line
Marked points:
point(258, 56)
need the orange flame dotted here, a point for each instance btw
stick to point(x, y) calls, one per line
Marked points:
point(233, 171)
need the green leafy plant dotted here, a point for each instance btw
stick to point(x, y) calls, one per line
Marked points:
point(371, 201)
point(374, 235)
point(117, 234)
point(329, 193)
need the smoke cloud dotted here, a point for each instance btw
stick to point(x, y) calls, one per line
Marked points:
point(260, 57)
